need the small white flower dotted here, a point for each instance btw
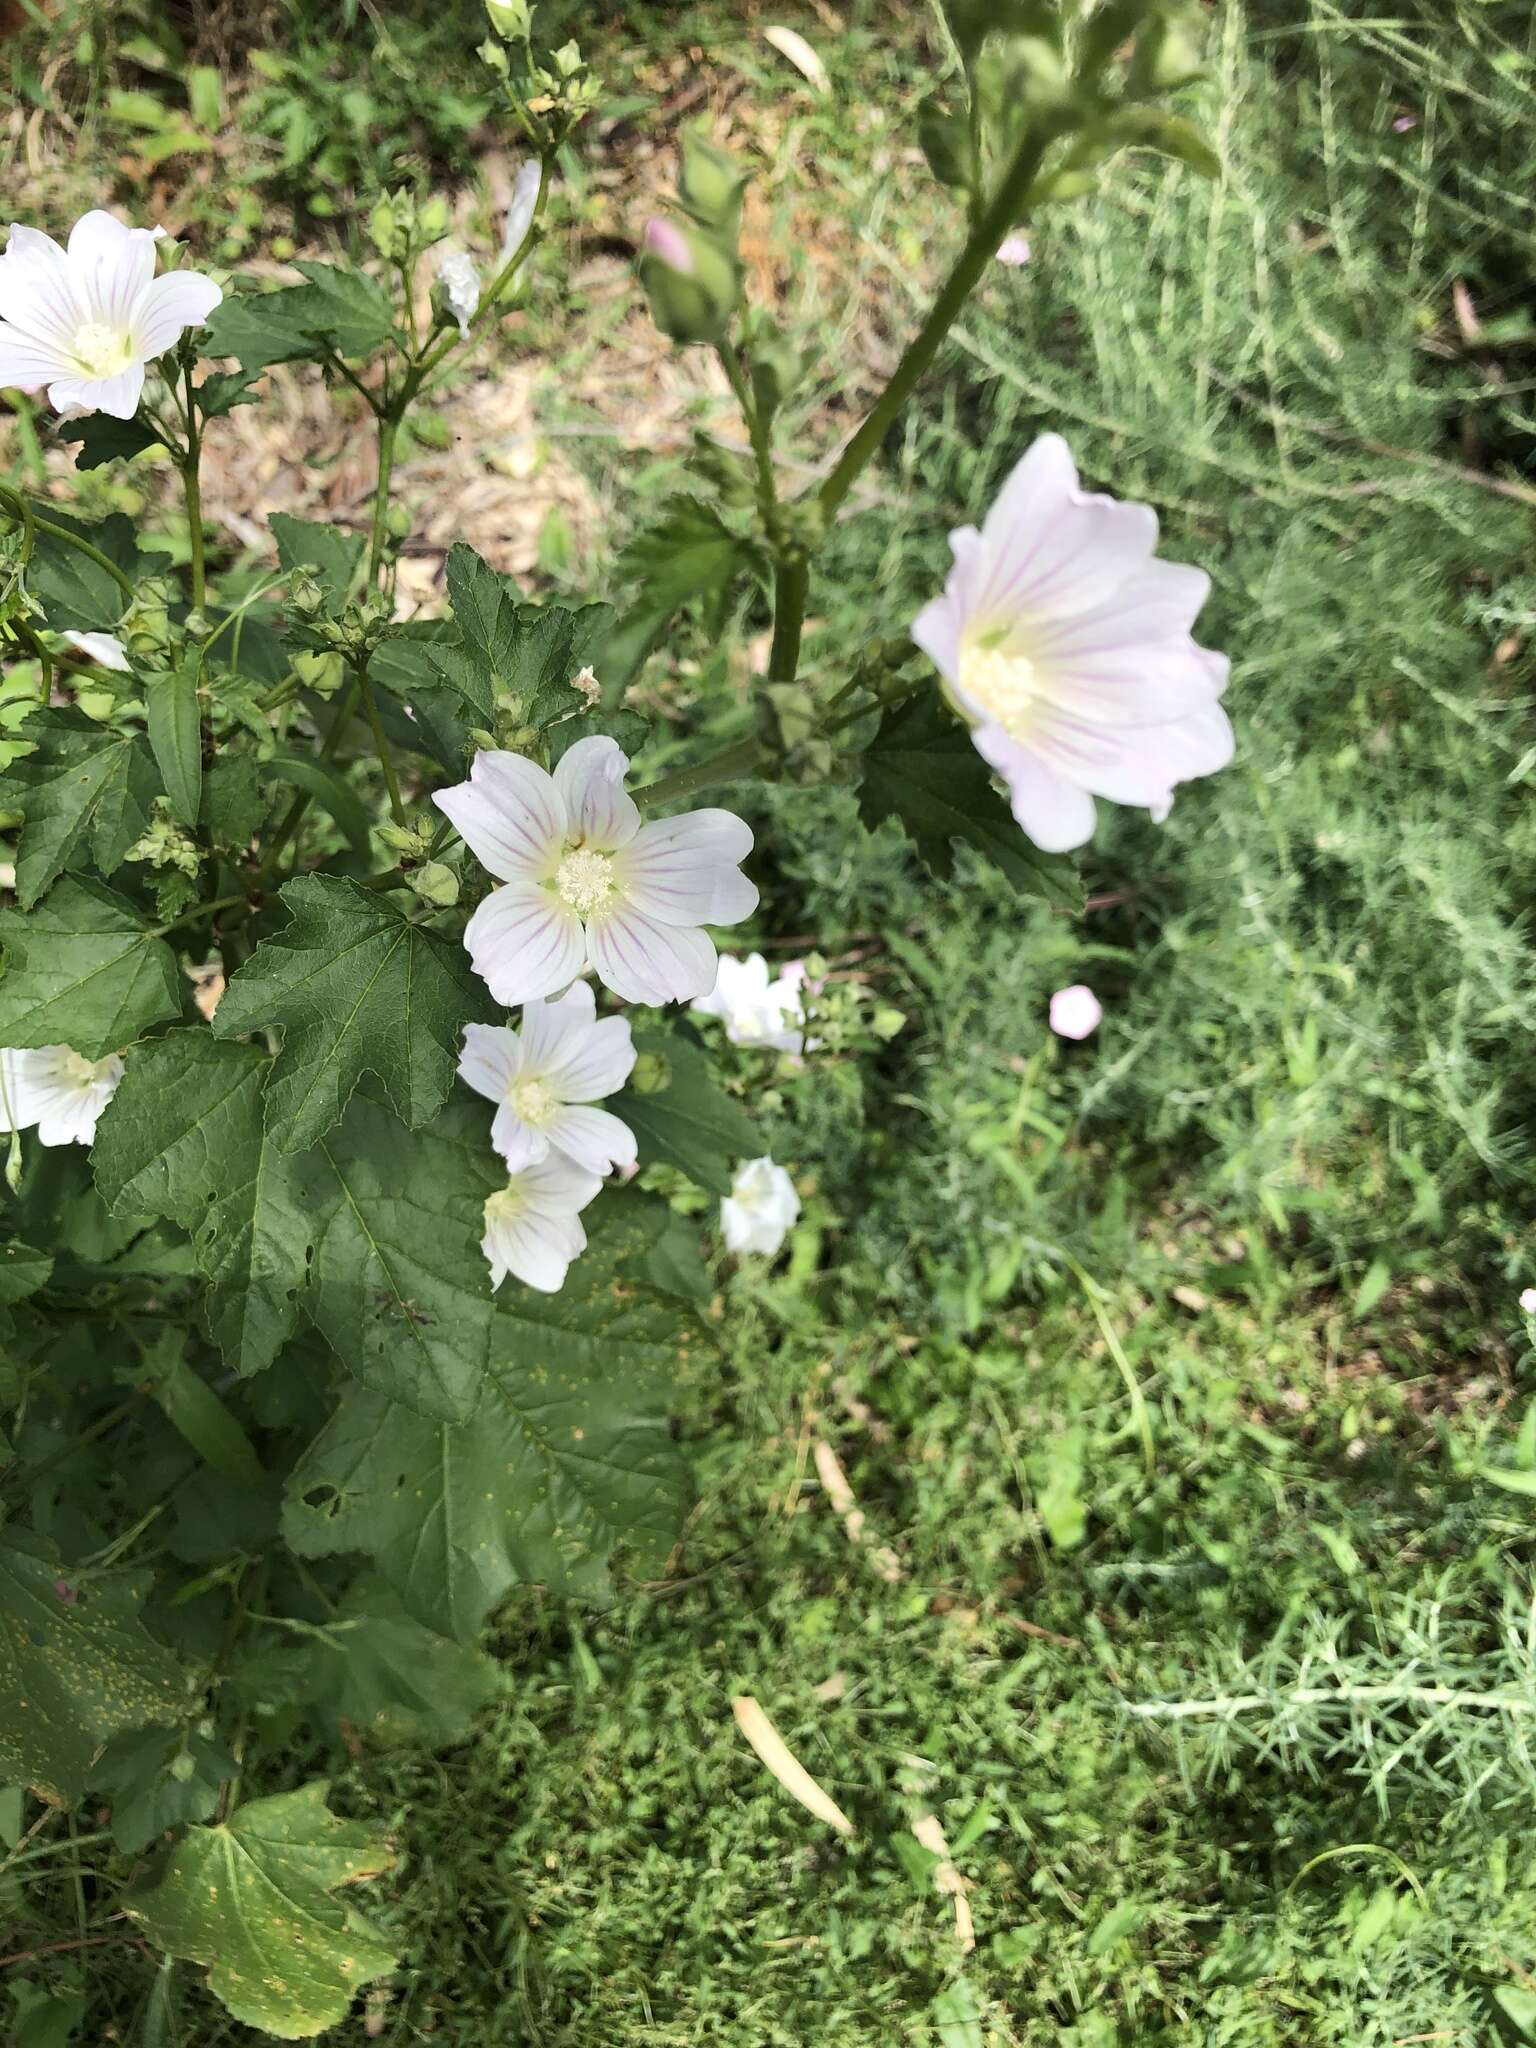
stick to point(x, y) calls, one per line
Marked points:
point(54, 1088)
point(759, 1212)
point(754, 1009)
point(85, 321)
point(105, 648)
point(544, 1077)
point(460, 282)
point(1066, 646)
point(1013, 251)
point(586, 884)
point(1076, 1012)
point(533, 1227)
point(1528, 1301)
point(520, 210)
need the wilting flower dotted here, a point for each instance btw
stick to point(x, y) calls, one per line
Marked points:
point(85, 321)
point(1075, 1012)
point(587, 884)
point(533, 1225)
point(759, 1212)
point(53, 1087)
point(520, 209)
point(544, 1078)
point(105, 648)
point(1066, 646)
point(1013, 251)
point(754, 1009)
point(460, 284)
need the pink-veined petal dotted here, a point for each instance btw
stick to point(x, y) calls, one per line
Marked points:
point(510, 815)
point(590, 779)
point(1048, 809)
point(591, 1062)
point(27, 365)
point(173, 303)
point(491, 1060)
point(647, 962)
point(113, 264)
point(679, 870)
point(592, 1138)
point(547, 1026)
point(1053, 548)
point(39, 293)
point(1153, 761)
point(524, 943)
point(535, 1249)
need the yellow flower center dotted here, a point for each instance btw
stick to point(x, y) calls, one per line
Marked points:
point(585, 881)
point(102, 351)
point(82, 1072)
point(1005, 686)
point(532, 1102)
point(505, 1206)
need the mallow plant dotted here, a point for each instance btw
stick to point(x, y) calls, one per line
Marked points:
point(357, 969)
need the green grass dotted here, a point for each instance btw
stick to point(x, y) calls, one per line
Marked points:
point(1285, 1194)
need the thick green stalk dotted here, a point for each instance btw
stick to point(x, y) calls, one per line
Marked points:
point(1000, 217)
point(192, 484)
point(389, 428)
point(729, 766)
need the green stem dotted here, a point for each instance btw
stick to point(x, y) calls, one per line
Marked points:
point(729, 766)
point(488, 303)
point(198, 912)
point(73, 540)
point(380, 744)
point(791, 589)
point(1000, 217)
point(193, 485)
point(294, 814)
point(43, 1849)
point(389, 428)
point(761, 436)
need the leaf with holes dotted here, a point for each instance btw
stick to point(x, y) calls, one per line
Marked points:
point(922, 769)
point(254, 1901)
point(184, 1138)
point(82, 970)
point(359, 988)
point(85, 793)
point(568, 1454)
point(76, 1666)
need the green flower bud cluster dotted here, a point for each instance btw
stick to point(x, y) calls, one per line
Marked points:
point(401, 226)
point(512, 20)
point(165, 844)
point(1075, 93)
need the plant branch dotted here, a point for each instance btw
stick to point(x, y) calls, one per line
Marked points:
point(25, 514)
point(380, 743)
point(729, 766)
point(192, 484)
point(1001, 216)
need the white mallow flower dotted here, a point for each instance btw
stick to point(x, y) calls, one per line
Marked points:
point(544, 1078)
point(85, 320)
point(54, 1088)
point(533, 1225)
point(1066, 646)
point(460, 282)
point(755, 1009)
point(759, 1212)
point(104, 648)
point(586, 884)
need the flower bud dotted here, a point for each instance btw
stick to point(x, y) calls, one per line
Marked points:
point(381, 228)
point(512, 20)
point(493, 56)
point(458, 283)
point(693, 286)
point(652, 1073)
point(710, 186)
point(432, 221)
point(436, 884)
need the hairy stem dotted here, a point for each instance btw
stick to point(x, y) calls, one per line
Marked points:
point(25, 514)
point(791, 589)
point(389, 429)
